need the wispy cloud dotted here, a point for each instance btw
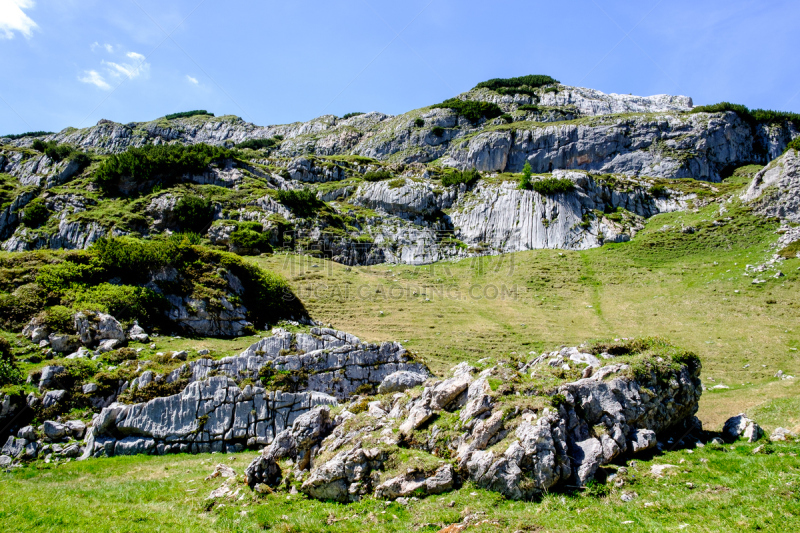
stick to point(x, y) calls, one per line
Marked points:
point(13, 18)
point(192, 80)
point(94, 77)
point(95, 45)
point(133, 69)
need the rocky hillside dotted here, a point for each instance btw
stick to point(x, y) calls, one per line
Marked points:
point(434, 183)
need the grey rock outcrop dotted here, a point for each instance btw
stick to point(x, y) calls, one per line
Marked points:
point(347, 476)
point(775, 190)
point(326, 360)
point(208, 416)
point(400, 381)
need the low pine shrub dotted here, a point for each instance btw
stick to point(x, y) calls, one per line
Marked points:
point(551, 186)
point(419, 122)
point(16, 136)
point(471, 110)
point(508, 119)
point(259, 144)
point(124, 302)
point(752, 116)
point(35, 213)
point(351, 115)
point(193, 213)
point(659, 191)
point(246, 241)
point(467, 177)
point(437, 131)
point(303, 203)
point(794, 145)
point(187, 114)
point(162, 162)
point(377, 175)
point(532, 80)
point(52, 149)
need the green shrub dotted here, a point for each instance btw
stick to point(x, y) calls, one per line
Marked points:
point(751, 116)
point(61, 276)
point(163, 162)
point(187, 114)
point(193, 213)
point(397, 183)
point(126, 256)
point(659, 191)
point(35, 213)
point(529, 107)
point(377, 175)
point(9, 373)
point(532, 80)
point(351, 115)
point(471, 110)
point(185, 238)
point(794, 145)
point(118, 356)
point(82, 159)
point(59, 319)
point(17, 309)
point(250, 242)
point(550, 186)
point(5, 350)
point(438, 131)
point(508, 119)
point(419, 122)
point(16, 136)
point(258, 144)
point(124, 302)
point(303, 203)
point(525, 179)
point(52, 149)
point(468, 177)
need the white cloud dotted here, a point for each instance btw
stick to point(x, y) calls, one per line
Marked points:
point(96, 45)
point(13, 18)
point(132, 70)
point(192, 80)
point(94, 77)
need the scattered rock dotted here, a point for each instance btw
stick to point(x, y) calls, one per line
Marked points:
point(658, 470)
point(781, 435)
point(401, 381)
point(741, 426)
point(222, 470)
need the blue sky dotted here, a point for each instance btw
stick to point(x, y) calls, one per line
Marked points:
point(73, 62)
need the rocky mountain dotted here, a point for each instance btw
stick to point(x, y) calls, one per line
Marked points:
point(393, 187)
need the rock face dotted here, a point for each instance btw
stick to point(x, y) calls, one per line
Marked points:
point(775, 190)
point(597, 420)
point(208, 416)
point(326, 360)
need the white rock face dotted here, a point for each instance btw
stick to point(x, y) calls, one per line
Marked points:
point(775, 190)
point(211, 415)
point(334, 362)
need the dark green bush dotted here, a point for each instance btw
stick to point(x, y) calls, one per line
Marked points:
point(525, 179)
point(16, 309)
point(126, 256)
point(795, 144)
point(124, 302)
point(550, 186)
point(351, 115)
point(16, 136)
point(438, 131)
point(52, 149)
point(118, 356)
point(82, 159)
point(59, 277)
point(187, 114)
point(377, 175)
point(532, 80)
point(163, 162)
point(508, 119)
point(468, 177)
point(751, 116)
point(303, 203)
point(247, 241)
point(59, 319)
point(659, 191)
point(419, 122)
point(471, 110)
point(193, 213)
point(35, 213)
point(259, 144)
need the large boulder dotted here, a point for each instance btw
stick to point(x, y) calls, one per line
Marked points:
point(346, 477)
point(741, 426)
point(400, 381)
point(94, 327)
